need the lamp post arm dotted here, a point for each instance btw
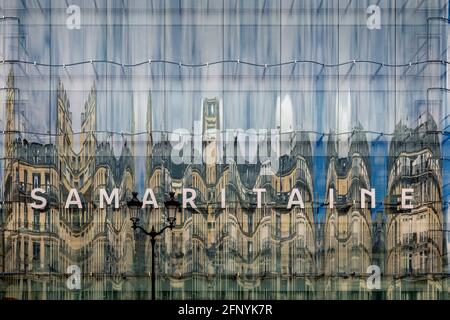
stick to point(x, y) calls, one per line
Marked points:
point(143, 230)
point(170, 226)
point(152, 233)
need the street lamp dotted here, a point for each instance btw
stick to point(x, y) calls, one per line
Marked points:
point(135, 206)
point(172, 205)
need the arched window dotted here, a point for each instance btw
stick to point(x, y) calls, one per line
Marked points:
point(356, 232)
point(332, 231)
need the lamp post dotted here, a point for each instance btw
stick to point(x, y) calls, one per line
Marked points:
point(172, 205)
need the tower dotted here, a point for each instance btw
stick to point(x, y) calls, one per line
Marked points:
point(210, 129)
point(149, 136)
point(414, 237)
point(348, 225)
point(9, 125)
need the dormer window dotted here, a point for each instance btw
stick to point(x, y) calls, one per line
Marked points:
point(210, 109)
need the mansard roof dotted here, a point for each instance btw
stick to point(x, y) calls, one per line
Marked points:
point(104, 155)
point(248, 172)
point(412, 140)
point(34, 152)
point(358, 145)
point(302, 147)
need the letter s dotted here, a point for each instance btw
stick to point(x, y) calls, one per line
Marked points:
point(36, 197)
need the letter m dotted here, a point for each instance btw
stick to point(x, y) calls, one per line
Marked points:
point(109, 199)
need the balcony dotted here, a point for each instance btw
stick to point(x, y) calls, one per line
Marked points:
point(20, 192)
point(409, 239)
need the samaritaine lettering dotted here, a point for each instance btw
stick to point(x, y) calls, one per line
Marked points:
point(189, 196)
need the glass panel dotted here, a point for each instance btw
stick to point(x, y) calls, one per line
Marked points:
point(266, 118)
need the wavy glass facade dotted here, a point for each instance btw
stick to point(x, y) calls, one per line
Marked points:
point(225, 97)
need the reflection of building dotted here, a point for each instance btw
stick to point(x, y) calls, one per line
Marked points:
point(31, 243)
point(348, 226)
point(240, 251)
point(41, 244)
point(379, 251)
point(414, 238)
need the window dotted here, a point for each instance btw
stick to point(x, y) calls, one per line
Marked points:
point(355, 232)
point(18, 247)
point(410, 256)
point(407, 262)
point(36, 256)
point(277, 258)
point(25, 255)
point(301, 263)
point(278, 225)
point(47, 221)
point(332, 232)
point(25, 179)
point(210, 109)
point(36, 180)
point(36, 220)
point(47, 255)
point(265, 240)
point(423, 261)
point(250, 250)
point(47, 182)
point(25, 216)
